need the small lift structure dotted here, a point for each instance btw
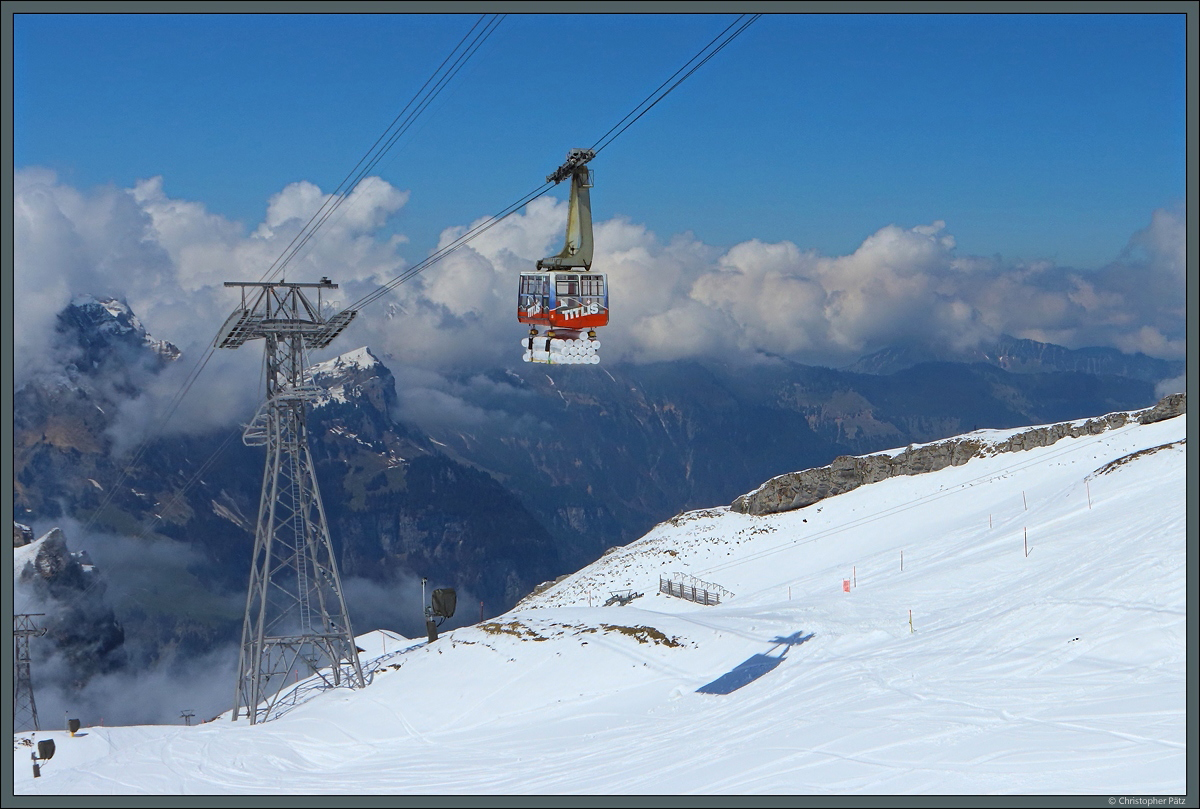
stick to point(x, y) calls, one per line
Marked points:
point(622, 597)
point(564, 296)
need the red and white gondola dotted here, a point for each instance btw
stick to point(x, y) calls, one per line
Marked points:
point(564, 297)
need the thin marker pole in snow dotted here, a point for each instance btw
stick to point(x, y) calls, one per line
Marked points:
point(910, 626)
point(789, 593)
point(989, 521)
point(854, 574)
point(1089, 492)
point(901, 561)
point(1023, 500)
point(1026, 543)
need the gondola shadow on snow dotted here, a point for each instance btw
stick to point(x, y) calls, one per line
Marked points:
point(754, 667)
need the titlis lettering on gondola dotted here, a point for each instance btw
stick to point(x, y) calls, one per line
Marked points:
point(579, 311)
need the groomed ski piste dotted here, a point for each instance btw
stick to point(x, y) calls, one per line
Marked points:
point(1045, 654)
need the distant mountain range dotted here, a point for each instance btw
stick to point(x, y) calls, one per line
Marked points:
point(564, 464)
point(1022, 356)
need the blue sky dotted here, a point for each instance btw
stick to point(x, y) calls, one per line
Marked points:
point(826, 186)
point(1033, 137)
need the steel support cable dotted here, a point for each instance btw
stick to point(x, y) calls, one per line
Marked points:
point(78, 597)
point(141, 450)
point(376, 153)
point(429, 99)
point(700, 64)
point(355, 175)
point(604, 139)
point(178, 496)
point(271, 270)
point(176, 400)
point(441, 253)
point(204, 467)
point(703, 55)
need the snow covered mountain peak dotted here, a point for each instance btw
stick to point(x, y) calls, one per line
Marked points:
point(359, 359)
point(101, 321)
point(350, 376)
point(108, 314)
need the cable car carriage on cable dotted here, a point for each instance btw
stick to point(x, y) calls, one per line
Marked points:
point(564, 296)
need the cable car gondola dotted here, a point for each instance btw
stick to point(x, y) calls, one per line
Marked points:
point(564, 296)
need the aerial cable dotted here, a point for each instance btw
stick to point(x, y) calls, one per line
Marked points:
point(262, 372)
point(355, 174)
point(337, 199)
point(141, 450)
point(179, 495)
point(422, 99)
point(441, 253)
point(78, 597)
point(690, 66)
point(415, 107)
point(635, 114)
point(176, 400)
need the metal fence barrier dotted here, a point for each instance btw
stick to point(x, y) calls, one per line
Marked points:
point(689, 592)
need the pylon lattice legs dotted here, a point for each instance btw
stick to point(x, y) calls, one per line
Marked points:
point(25, 715)
point(296, 623)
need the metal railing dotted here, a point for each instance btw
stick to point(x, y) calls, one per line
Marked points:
point(697, 591)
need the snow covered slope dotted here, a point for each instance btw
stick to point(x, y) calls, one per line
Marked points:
point(1046, 654)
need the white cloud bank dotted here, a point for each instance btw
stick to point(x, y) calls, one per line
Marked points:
point(670, 299)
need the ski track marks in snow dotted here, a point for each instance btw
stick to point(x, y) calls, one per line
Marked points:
point(1057, 671)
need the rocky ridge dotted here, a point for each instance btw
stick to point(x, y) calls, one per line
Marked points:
point(847, 472)
point(68, 590)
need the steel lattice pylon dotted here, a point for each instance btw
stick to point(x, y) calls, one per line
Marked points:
point(296, 615)
point(25, 715)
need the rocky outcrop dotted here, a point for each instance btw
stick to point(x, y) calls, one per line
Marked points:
point(799, 489)
point(69, 591)
point(541, 588)
point(56, 569)
point(1170, 407)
